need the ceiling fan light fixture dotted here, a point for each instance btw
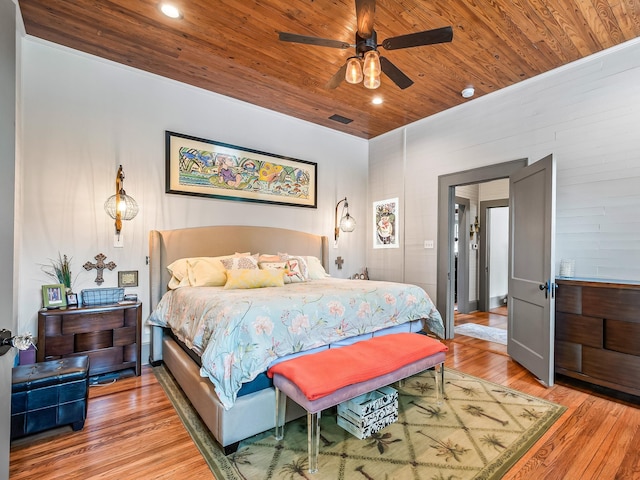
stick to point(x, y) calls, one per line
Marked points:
point(371, 82)
point(371, 67)
point(354, 71)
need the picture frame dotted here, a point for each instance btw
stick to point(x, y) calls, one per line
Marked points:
point(54, 296)
point(386, 221)
point(72, 299)
point(128, 278)
point(207, 168)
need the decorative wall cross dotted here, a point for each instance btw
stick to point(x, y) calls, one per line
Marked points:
point(339, 262)
point(99, 266)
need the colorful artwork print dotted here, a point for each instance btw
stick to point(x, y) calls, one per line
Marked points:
point(385, 219)
point(207, 168)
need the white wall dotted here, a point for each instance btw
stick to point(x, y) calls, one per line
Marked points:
point(83, 116)
point(498, 245)
point(586, 114)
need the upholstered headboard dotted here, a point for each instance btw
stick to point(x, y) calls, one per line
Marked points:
point(169, 245)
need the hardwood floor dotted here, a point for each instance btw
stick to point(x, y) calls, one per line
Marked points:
point(132, 430)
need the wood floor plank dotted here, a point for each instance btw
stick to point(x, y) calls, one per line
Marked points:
point(613, 456)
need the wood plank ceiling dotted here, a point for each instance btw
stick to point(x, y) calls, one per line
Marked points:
point(231, 47)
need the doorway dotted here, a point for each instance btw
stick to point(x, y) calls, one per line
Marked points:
point(493, 254)
point(446, 214)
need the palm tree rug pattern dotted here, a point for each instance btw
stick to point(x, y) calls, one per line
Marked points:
point(478, 432)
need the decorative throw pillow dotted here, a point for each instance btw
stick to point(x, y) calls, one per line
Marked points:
point(240, 263)
point(273, 265)
point(294, 271)
point(298, 266)
point(206, 272)
point(252, 278)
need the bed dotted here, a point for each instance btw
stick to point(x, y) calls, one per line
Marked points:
point(232, 396)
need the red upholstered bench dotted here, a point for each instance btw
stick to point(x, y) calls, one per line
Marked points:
point(322, 380)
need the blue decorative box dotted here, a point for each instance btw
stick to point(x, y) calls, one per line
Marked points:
point(101, 296)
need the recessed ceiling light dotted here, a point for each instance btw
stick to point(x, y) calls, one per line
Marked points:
point(170, 11)
point(468, 92)
point(376, 100)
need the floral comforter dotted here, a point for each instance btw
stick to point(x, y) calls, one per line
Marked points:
point(238, 333)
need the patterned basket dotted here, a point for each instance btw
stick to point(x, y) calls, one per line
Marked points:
point(101, 296)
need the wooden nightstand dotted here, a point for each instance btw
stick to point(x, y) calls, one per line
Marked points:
point(109, 334)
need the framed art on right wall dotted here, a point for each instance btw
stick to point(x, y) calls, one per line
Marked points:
point(385, 219)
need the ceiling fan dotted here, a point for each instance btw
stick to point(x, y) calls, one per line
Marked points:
point(368, 63)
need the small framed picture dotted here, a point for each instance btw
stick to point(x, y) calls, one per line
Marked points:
point(72, 299)
point(128, 278)
point(54, 296)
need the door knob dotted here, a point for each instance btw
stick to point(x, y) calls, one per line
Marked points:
point(545, 287)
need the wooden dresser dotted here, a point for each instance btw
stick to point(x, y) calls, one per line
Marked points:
point(109, 334)
point(598, 333)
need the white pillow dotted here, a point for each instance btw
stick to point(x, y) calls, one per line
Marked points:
point(316, 270)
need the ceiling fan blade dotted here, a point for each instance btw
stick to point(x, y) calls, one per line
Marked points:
point(337, 79)
point(365, 11)
point(395, 74)
point(428, 37)
point(317, 41)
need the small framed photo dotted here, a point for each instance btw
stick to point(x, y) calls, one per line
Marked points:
point(72, 299)
point(128, 278)
point(54, 296)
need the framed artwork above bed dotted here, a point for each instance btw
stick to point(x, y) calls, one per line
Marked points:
point(206, 168)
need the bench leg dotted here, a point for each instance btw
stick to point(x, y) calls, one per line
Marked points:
point(439, 377)
point(281, 406)
point(313, 439)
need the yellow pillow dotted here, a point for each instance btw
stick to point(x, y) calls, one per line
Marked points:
point(254, 278)
point(206, 272)
point(179, 270)
point(175, 283)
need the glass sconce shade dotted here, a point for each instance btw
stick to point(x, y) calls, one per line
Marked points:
point(126, 205)
point(347, 223)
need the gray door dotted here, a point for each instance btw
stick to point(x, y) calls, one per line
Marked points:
point(8, 319)
point(531, 302)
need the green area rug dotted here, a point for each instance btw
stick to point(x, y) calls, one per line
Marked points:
point(478, 432)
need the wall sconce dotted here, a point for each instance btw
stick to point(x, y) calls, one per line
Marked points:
point(121, 206)
point(474, 228)
point(347, 222)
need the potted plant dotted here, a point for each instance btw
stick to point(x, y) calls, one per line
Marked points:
point(60, 271)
